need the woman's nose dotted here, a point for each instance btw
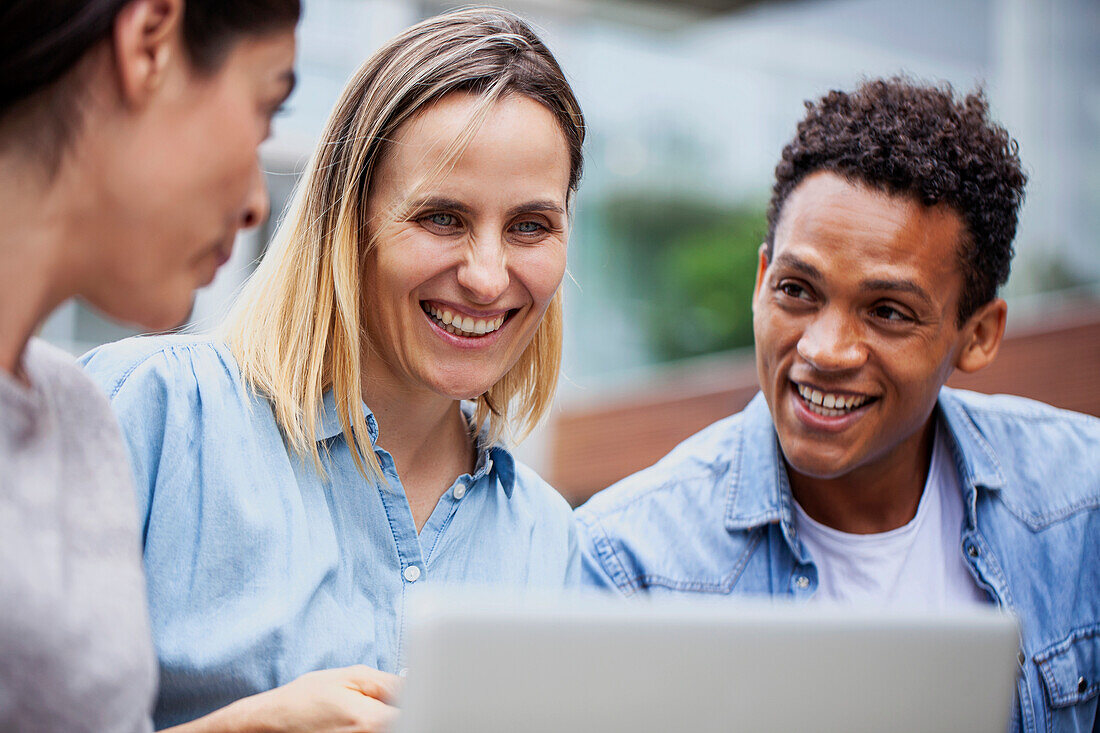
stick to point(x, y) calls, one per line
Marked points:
point(483, 273)
point(257, 204)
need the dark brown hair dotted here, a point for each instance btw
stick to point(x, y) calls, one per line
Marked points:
point(914, 140)
point(42, 42)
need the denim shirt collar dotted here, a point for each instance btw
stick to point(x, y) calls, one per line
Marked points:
point(760, 493)
point(975, 459)
point(489, 457)
point(328, 420)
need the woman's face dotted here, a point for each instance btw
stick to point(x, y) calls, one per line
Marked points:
point(454, 291)
point(179, 176)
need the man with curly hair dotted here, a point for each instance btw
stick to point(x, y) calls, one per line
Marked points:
point(855, 476)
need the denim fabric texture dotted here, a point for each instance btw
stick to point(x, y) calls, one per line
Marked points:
point(260, 571)
point(714, 517)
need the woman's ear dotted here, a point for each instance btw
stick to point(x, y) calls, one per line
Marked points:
point(147, 36)
point(982, 335)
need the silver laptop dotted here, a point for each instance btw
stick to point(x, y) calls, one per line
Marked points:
point(477, 662)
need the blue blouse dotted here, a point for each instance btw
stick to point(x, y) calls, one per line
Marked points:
point(260, 571)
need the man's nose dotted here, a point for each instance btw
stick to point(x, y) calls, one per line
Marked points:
point(833, 342)
point(257, 205)
point(483, 273)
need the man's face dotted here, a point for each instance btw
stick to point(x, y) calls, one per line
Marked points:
point(855, 324)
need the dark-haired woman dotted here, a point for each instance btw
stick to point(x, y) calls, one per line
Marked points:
point(128, 135)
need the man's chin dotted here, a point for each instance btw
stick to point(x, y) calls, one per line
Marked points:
point(813, 462)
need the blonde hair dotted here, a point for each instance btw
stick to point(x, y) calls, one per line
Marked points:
point(296, 329)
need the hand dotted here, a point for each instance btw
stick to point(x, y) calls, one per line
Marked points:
point(354, 699)
point(347, 700)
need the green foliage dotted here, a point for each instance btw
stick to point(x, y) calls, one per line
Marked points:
point(697, 262)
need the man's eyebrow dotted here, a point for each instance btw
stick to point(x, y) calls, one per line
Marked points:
point(900, 286)
point(799, 265)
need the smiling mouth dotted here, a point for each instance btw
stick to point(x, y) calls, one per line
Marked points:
point(464, 326)
point(831, 404)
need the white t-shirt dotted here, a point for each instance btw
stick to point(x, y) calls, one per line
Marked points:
point(76, 654)
point(919, 566)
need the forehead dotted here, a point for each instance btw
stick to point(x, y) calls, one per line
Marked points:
point(852, 229)
point(517, 139)
point(264, 57)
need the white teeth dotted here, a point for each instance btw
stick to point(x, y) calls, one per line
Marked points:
point(464, 326)
point(830, 405)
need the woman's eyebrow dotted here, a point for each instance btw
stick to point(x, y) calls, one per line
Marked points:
point(537, 207)
point(439, 202)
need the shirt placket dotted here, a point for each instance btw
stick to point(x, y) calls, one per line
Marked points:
point(411, 565)
point(987, 570)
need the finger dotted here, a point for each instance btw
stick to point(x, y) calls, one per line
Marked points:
point(375, 716)
point(373, 682)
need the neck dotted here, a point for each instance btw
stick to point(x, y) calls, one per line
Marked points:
point(38, 246)
point(874, 498)
point(426, 434)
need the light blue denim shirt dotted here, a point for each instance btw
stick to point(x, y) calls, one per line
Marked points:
point(714, 517)
point(260, 571)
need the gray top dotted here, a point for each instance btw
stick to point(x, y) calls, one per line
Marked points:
point(75, 648)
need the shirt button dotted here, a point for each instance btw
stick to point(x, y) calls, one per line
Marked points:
point(802, 582)
point(972, 550)
point(412, 573)
point(1082, 684)
point(460, 491)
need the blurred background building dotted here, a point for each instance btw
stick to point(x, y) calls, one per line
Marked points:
point(689, 105)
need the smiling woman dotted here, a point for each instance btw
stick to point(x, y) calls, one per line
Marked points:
point(315, 456)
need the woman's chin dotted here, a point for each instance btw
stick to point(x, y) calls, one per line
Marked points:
point(159, 314)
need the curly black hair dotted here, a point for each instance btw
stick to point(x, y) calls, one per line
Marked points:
point(914, 140)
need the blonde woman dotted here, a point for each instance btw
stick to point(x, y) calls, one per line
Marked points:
point(300, 471)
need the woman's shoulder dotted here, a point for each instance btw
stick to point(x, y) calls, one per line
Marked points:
point(544, 500)
point(182, 362)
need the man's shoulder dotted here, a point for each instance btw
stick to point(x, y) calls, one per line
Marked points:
point(668, 526)
point(698, 464)
point(1046, 459)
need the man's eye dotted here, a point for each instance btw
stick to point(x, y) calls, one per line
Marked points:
point(793, 290)
point(888, 313)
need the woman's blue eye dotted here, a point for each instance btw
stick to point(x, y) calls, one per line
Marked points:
point(529, 227)
point(442, 220)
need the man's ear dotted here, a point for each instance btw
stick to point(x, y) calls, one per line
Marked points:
point(982, 335)
point(147, 34)
point(761, 268)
